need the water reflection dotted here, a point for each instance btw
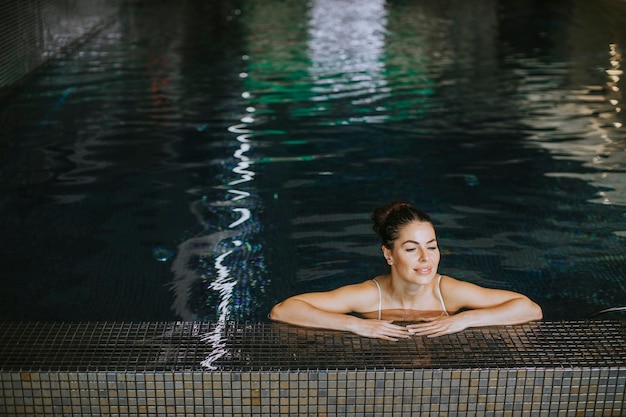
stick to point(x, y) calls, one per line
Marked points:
point(583, 125)
point(345, 50)
point(346, 47)
point(285, 122)
point(584, 121)
point(231, 262)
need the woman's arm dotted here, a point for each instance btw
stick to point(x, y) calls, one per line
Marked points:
point(485, 306)
point(328, 310)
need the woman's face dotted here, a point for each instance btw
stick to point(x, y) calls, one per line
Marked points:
point(415, 254)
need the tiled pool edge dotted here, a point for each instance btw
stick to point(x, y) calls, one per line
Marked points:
point(497, 392)
point(450, 381)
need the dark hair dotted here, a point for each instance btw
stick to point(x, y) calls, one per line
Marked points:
point(389, 219)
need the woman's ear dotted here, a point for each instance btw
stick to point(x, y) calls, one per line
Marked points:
point(387, 254)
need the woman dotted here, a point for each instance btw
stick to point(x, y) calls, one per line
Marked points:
point(413, 291)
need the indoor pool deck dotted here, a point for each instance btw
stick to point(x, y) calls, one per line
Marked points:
point(233, 369)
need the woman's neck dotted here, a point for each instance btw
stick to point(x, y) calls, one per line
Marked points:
point(412, 296)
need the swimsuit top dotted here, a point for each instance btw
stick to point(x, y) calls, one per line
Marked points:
point(380, 297)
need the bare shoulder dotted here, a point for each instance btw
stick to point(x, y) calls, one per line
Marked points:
point(348, 298)
point(462, 294)
point(362, 292)
point(450, 283)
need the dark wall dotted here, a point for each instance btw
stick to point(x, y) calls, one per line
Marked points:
point(33, 31)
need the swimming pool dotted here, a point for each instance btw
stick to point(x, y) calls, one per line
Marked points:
point(204, 161)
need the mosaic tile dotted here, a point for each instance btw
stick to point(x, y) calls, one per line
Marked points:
point(458, 385)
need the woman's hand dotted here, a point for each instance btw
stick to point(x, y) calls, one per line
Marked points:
point(438, 326)
point(380, 329)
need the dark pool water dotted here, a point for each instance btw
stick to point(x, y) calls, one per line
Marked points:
point(204, 160)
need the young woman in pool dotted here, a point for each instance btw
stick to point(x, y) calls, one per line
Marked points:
point(413, 291)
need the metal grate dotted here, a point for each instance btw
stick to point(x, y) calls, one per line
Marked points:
point(271, 346)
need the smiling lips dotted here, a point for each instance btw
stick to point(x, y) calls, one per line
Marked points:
point(423, 271)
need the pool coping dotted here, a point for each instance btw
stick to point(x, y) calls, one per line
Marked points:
point(224, 369)
point(230, 346)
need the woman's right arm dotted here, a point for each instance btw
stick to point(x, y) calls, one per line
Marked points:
point(328, 310)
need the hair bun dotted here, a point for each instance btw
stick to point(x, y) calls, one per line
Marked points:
point(390, 218)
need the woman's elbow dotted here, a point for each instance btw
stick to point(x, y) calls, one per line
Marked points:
point(276, 312)
point(535, 311)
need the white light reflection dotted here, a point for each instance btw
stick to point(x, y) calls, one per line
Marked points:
point(589, 114)
point(346, 48)
point(245, 216)
point(225, 283)
point(209, 255)
point(615, 74)
point(239, 194)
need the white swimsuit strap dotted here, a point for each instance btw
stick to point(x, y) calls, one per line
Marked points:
point(443, 305)
point(380, 299)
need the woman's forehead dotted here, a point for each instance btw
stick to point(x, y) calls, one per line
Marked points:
point(417, 231)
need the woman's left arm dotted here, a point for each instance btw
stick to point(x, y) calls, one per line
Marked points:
point(485, 307)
